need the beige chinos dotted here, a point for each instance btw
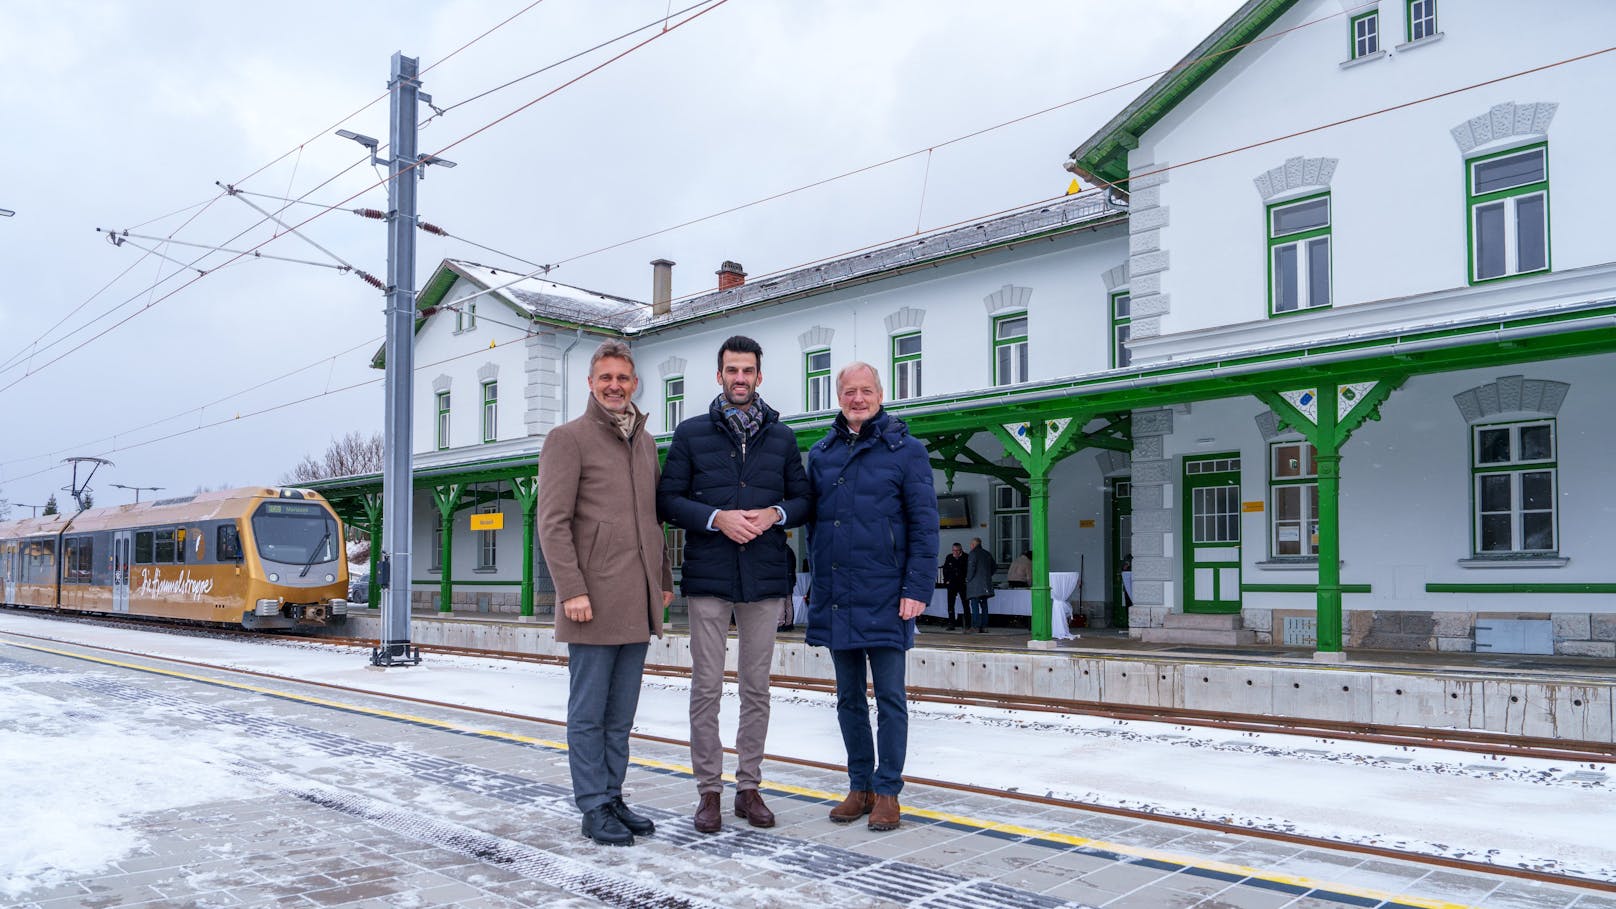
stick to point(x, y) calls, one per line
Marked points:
point(709, 631)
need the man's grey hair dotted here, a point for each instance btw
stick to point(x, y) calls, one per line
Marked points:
point(853, 367)
point(612, 348)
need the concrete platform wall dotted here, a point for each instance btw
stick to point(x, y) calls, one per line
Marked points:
point(1537, 705)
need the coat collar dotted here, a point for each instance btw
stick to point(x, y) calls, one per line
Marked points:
point(715, 410)
point(883, 426)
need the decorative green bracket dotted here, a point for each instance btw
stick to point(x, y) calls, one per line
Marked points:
point(1327, 415)
point(448, 499)
point(527, 493)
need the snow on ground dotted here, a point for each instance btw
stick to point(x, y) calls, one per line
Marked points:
point(70, 822)
point(1512, 812)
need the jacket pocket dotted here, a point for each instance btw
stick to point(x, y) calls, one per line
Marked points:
point(600, 548)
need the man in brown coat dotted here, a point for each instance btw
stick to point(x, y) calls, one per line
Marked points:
point(599, 533)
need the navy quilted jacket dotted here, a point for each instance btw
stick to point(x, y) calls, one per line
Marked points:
point(873, 534)
point(708, 469)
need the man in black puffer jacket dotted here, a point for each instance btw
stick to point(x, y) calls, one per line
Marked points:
point(734, 481)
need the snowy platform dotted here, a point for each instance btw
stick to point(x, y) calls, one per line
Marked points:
point(1555, 697)
point(140, 781)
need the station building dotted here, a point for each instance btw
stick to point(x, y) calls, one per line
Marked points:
point(1324, 352)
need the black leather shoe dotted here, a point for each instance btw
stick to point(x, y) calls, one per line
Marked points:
point(637, 824)
point(602, 826)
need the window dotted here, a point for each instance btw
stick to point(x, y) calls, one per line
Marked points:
point(437, 546)
point(1010, 349)
point(1514, 473)
point(76, 561)
point(1299, 255)
point(1421, 19)
point(164, 547)
point(490, 411)
point(143, 547)
point(674, 538)
point(1365, 34)
point(1509, 213)
point(487, 541)
point(816, 368)
point(443, 420)
point(1012, 524)
point(465, 315)
point(906, 366)
point(1293, 499)
point(1121, 328)
point(673, 401)
point(228, 543)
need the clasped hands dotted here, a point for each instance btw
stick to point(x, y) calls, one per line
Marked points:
point(744, 526)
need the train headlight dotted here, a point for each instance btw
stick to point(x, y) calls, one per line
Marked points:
point(330, 577)
point(274, 578)
point(268, 608)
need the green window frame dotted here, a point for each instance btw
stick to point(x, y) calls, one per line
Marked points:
point(1507, 213)
point(490, 411)
point(437, 546)
point(1515, 488)
point(1421, 20)
point(816, 381)
point(465, 315)
point(1293, 500)
point(673, 402)
point(1364, 30)
point(1012, 523)
point(1010, 348)
point(487, 541)
point(1300, 255)
point(1121, 328)
point(906, 366)
point(443, 420)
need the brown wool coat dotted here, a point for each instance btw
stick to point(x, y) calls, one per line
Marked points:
point(598, 528)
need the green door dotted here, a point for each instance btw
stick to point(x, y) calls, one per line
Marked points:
point(1212, 533)
point(1121, 546)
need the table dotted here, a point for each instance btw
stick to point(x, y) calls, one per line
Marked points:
point(1003, 602)
point(1062, 584)
point(799, 604)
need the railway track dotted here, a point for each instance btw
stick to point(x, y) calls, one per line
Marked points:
point(1491, 744)
point(947, 785)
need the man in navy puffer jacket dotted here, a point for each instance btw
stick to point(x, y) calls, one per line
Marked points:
point(733, 481)
point(873, 539)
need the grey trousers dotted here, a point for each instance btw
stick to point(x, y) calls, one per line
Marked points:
point(709, 631)
point(603, 693)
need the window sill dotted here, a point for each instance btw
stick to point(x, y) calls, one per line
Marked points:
point(1519, 562)
point(1410, 45)
point(492, 570)
point(1348, 64)
point(1303, 564)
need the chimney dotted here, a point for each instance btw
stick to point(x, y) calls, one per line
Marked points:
point(661, 287)
point(730, 275)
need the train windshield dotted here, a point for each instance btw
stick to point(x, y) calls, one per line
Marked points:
point(295, 533)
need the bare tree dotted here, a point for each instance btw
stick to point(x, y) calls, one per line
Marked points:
point(5, 508)
point(352, 454)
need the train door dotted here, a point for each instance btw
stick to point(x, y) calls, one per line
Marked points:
point(121, 543)
point(8, 567)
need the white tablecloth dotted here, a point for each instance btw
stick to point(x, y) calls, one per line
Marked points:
point(1003, 602)
point(1062, 584)
point(799, 607)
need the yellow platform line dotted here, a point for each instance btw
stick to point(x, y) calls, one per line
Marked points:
point(960, 820)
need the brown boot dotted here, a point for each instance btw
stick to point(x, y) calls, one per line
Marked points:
point(709, 816)
point(749, 804)
point(886, 813)
point(856, 805)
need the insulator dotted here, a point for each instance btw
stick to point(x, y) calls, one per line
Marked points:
point(371, 279)
point(371, 213)
point(431, 228)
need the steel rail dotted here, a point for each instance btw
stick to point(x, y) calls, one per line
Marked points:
point(947, 785)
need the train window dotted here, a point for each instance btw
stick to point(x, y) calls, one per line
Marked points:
point(143, 547)
point(76, 561)
point(229, 543)
point(295, 533)
point(163, 551)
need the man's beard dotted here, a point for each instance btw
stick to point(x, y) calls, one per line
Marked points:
point(749, 395)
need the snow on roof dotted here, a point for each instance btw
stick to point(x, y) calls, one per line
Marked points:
point(542, 298)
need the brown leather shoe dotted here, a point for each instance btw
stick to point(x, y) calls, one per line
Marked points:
point(749, 804)
point(709, 816)
point(856, 805)
point(886, 814)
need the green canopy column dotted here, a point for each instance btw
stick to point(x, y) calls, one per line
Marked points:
point(1327, 416)
point(372, 503)
point(527, 495)
point(448, 499)
point(1038, 445)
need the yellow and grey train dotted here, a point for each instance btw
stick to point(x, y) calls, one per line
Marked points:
point(258, 557)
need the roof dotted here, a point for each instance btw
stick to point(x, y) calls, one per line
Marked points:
point(1103, 157)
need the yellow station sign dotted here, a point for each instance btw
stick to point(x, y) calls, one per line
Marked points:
point(495, 521)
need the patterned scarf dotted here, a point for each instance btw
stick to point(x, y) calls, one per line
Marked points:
point(745, 421)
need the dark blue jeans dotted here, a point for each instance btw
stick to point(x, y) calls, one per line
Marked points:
point(979, 612)
point(891, 741)
point(604, 692)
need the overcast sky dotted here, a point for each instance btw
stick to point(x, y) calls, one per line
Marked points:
point(119, 113)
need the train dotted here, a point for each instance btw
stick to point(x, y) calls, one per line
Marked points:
point(262, 558)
